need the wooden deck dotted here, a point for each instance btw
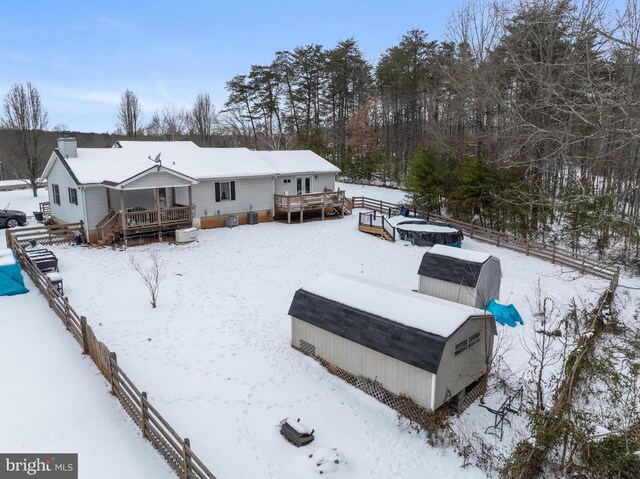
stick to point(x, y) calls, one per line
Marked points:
point(120, 225)
point(334, 201)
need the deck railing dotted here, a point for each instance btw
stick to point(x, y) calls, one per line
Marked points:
point(137, 219)
point(145, 218)
point(309, 201)
point(547, 252)
point(374, 220)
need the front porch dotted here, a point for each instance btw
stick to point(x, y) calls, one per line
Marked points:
point(142, 212)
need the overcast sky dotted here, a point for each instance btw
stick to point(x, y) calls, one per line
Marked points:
point(82, 55)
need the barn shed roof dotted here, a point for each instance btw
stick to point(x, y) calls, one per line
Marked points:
point(407, 326)
point(453, 265)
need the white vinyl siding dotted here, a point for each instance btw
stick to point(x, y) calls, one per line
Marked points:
point(254, 193)
point(450, 291)
point(394, 375)
point(286, 184)
point(457, 371)
point(65, 211)
point(132, 198)
point(96, 200)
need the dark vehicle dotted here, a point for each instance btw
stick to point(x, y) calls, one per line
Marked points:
point(12, 218)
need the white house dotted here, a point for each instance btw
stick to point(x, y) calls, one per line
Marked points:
point(141, 187)
point(426, 348)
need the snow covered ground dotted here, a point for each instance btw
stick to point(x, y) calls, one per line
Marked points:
point(53, 399)
point(216, 359)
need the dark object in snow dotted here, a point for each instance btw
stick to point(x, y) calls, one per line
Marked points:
point(326, 460)
point(295, 432)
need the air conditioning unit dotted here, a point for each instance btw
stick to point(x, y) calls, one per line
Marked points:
point(186, 235)
point(231, 221)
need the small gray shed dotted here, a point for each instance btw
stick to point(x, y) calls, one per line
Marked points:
point(423, 347)
point(459, 275)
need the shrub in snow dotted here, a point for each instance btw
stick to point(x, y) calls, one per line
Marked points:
point(152, 274)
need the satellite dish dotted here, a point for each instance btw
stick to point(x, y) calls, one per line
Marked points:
point(156, 159)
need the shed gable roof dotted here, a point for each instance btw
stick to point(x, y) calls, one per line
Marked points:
point(409, 345)
point(451, 268)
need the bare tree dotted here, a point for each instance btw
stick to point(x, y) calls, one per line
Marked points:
point(168, 124)
point(129, 115)
point(24, 115)
point(203, 119)
point(152, 274)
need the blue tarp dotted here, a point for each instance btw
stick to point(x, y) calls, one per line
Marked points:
point(11, 280)
point(504, 314)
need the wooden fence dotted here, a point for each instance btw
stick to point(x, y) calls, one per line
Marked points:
point(174, 448)
point(546, 252)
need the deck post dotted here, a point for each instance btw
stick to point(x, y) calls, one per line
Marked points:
point(190, 204)
point(301, 212)
point(288, 209)
point(122, 211)
point(323, 198)
point(157, 192)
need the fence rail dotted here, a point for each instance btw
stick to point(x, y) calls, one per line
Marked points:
point(175, 449)
point(547, 252)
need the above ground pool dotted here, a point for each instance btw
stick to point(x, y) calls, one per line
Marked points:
point(428, 233)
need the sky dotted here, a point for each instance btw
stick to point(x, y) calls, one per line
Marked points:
point(81, 55)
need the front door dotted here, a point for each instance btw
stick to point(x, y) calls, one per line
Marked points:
point(303, 185)
point(162, 196)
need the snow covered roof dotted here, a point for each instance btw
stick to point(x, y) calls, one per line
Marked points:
point(405, 325)
point(127, 159)
point(454, 265)
point(287, 162)
point(459, 253)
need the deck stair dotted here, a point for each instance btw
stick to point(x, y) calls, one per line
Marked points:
point(108, 228)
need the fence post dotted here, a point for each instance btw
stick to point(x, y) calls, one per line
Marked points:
point(381, 209)
point(498, 240)
point(113, 379)
point(582, 266)
point(527, 246)
point(48, 283)
point(66, 313)
point(85, 336)
point(186, 450)
point(553, 256)
point(145, 414)
point(471, 235)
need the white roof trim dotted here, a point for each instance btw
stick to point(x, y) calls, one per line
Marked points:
point(158, 169)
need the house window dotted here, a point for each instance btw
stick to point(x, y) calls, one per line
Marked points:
point(56, 194)
point(467, 343)
point(287, 180)
point(73, 196)
point(225, 191)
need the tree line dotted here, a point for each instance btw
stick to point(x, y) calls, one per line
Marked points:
point(526, 117)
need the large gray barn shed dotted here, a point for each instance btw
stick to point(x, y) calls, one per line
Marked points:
point(459, 275)
point(426, 348)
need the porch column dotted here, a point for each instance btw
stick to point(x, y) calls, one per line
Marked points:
point(122, 211)
point(157, 190)
point(190, 204)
